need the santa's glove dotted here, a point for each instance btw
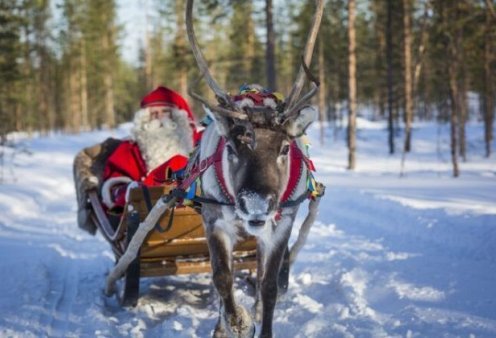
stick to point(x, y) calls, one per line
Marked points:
point(114, 191)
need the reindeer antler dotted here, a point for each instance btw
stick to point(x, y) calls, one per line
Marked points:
point(289, 113)
point(220, 110)
point(226, 107)
point(306, 60)
point(221, 96)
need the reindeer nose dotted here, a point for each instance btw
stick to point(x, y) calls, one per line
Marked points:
point(254, 203)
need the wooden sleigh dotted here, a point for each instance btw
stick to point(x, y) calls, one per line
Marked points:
point(176, 245)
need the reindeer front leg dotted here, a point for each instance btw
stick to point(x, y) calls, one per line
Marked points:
point(234, 320)
point(272, 260)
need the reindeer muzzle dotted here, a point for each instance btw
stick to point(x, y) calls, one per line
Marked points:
point(255, 208)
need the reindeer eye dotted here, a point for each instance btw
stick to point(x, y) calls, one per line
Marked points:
point(285, 150)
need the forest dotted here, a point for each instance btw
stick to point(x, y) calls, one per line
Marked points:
point(62, 67)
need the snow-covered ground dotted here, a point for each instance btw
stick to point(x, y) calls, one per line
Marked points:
point(388, 257)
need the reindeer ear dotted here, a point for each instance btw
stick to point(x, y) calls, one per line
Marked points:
point(298, 124)
point(221, 123)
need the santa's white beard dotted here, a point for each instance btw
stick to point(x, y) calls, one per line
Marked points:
point(159, 140)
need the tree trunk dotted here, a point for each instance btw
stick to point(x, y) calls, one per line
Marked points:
point(408, 102)
point(453, 117)
point(27, 112)
point(84, 87)
point(322, 90)
point(463, 110)
point(46, 88)
point(424, 40)
point(181, 50)
point(352, 85)
point(389, 61)
point(248, 61)
point(453, 68)
point(74, 97)
point(149, 82)
point(109, 100)
point(381, 89)
point(270, 59)
point(488, 98)
point(108, 81)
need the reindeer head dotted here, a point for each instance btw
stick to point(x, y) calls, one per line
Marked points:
point(258, 138)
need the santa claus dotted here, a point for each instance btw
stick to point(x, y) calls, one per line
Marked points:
point(163, 135)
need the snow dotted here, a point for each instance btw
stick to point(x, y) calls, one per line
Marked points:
point(389, 256)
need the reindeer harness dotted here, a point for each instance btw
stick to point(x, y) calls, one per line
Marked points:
point(188, 188)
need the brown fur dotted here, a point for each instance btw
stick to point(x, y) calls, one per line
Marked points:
point(88, 170)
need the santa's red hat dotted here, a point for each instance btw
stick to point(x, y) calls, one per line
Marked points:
point(163, 96)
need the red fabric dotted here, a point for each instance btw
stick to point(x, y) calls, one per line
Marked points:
point(257, 98)
point(218, 169)
point(118, 193)
point(295, 170)
point(127, 161)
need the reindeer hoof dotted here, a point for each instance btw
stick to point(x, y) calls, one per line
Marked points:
point(219, 331)
point(257, 311)
point(238, 325)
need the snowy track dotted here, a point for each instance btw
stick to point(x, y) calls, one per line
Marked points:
point(388, 256)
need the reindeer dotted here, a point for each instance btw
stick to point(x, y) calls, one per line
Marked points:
point(253, 149)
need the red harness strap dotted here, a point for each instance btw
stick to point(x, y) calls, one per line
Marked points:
point(218, 170)
point(297, 160)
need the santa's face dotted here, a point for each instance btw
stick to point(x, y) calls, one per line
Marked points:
point(157, 117)
point(160, 112)
point(162, 132)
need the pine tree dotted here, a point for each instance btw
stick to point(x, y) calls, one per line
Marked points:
point(245, 54)
point(10, 29)
point(270, 47)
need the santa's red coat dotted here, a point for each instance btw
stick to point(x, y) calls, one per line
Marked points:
point(127, 161)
